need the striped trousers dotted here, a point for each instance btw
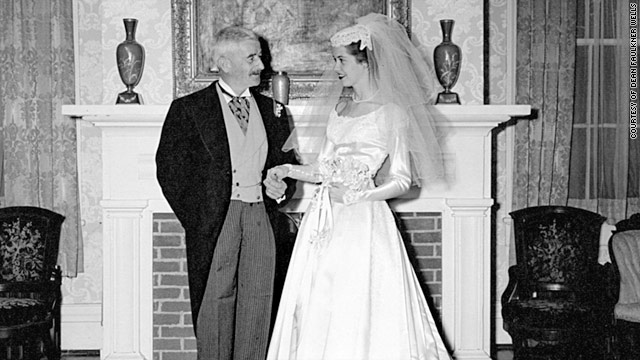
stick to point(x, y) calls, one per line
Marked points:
point(234, 318)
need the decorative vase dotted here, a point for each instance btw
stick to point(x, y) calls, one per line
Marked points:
point(130, 60)
point(446, 59)
point(280, 87)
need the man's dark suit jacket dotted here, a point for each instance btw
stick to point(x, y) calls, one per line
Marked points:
point(194, 172)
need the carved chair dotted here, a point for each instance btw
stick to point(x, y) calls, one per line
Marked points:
point(624, 248)
point(30, 283)
point(556, 305)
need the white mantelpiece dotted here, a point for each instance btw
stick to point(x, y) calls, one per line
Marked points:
point(131, 195)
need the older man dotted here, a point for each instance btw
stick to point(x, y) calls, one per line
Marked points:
point(215, 147)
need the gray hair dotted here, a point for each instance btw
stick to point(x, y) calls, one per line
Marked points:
point(229, 37)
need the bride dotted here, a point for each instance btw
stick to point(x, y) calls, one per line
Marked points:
point(350, 291)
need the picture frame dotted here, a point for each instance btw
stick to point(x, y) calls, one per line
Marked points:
point(294, 36)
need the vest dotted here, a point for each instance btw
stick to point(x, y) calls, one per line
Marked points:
point(248, 152)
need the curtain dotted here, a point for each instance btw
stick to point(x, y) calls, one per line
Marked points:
point(545, 80)
point(39, 144)
point(604, 161)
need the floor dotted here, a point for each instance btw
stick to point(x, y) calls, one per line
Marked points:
point(505, 355)
point(80, 355)
point(502, 355)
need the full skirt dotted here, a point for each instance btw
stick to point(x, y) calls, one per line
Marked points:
point(351, 292)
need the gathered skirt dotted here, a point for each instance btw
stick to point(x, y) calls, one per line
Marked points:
point(351, 292)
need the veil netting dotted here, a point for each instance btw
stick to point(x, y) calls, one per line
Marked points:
point(402, 76)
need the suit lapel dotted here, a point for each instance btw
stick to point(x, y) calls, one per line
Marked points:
point(210, 122)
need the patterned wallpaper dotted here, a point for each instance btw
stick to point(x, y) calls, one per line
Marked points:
point(498, 51)
point(467, 33)
point(100, 30)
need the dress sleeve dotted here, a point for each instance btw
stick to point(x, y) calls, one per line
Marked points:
point(398, 179)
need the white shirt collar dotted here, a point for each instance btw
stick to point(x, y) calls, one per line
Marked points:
point(227, 88)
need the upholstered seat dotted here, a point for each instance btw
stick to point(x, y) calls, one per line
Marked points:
point(17, 311)
point(554, 314)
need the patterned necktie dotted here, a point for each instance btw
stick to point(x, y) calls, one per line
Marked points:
point(240, 108)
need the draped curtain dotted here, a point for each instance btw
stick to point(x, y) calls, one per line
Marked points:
point(38, 143)
point(573, 68)
point(602, 149)
point(545, 66)
point(545, 80)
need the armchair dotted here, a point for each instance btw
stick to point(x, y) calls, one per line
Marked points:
point(624, 248)
point(556, 305)
point(29, 283)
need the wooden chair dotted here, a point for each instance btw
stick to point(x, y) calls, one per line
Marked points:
point(556, 305)
point(624, 248)
point(30, 282)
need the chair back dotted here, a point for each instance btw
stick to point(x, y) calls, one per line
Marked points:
point(556, 249)
point(626, 250)
point(29, 242)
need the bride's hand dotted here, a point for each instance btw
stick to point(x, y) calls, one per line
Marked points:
point(342, 194)
point(278, 173)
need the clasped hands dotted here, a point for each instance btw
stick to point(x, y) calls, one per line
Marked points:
point(275, 187)
point(274, 182)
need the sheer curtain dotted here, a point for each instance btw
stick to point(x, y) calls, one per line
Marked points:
point(604, 161)
point(39, 144)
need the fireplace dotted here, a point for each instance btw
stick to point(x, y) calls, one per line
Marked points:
point(132, 200)
point(172, 324)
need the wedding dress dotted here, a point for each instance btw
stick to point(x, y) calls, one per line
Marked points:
point(350, 291)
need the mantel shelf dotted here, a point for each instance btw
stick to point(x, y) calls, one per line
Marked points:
point(153, 115)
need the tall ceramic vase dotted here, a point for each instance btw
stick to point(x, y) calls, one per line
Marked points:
point(280, 87)
point(130, 60)
point(446, 59)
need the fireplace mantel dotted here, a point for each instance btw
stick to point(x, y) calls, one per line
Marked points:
point(131, 195)
point(153, 115)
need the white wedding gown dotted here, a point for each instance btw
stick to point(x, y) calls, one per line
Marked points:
point(351, 292)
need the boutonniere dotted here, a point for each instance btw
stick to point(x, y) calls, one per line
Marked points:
point(278, 109)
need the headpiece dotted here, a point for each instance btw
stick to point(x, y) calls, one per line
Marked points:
point(352, 34)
